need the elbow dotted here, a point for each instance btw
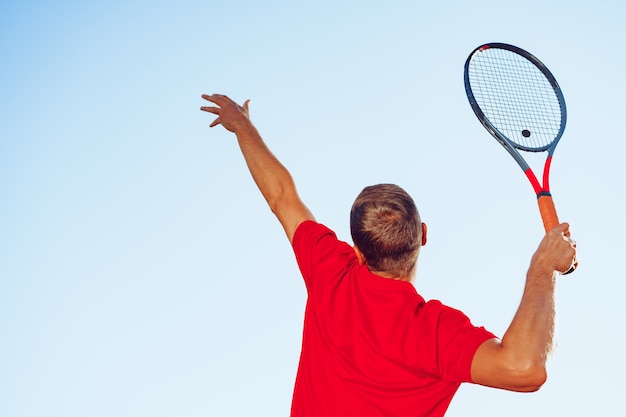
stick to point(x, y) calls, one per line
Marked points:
point(276, 203)
point(278, 195)
point(275, 198)
point(529, 379)
point(505, 368)
point(537, 379)
point(281, 197)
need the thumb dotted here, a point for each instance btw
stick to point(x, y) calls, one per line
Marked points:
point(562, 228)
point(246, 105)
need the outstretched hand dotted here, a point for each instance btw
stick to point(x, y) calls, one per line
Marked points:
point(229, 114)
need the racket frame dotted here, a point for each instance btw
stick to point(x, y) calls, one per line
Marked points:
point(542, 190)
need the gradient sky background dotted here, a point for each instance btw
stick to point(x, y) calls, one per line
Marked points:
point(141, 273)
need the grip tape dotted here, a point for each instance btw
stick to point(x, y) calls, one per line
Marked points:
point(548, 212)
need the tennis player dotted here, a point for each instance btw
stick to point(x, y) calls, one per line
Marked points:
point(372, 346)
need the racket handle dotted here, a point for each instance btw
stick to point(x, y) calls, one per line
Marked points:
point(549, 216)
point(548, 212)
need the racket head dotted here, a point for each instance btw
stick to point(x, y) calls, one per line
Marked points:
point(515, 97)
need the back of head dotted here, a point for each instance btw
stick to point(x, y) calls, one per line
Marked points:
point(387, 229)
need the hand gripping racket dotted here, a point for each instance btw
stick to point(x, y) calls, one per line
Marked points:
point(518, 101)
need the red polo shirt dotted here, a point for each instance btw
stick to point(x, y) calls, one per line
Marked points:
point(372, 346)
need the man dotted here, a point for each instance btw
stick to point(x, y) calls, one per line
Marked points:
point(372, 346)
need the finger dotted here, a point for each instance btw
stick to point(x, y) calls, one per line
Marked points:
point(572, 268)
point(207, 97)
point(214, 98)
point(215, 122)
point(562, 228)
point(213, 110)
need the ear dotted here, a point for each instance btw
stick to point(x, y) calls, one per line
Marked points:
point(424, 230)
point(359, 255)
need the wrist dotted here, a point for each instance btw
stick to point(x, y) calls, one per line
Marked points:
point(539, 268)
point(245, 127)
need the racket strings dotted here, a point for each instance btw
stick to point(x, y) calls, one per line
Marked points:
point(516, 97)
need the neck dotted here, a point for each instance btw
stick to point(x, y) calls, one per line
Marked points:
point(384, 274)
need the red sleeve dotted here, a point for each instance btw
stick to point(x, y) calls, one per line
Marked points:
point(457, 340)
point(319, 253)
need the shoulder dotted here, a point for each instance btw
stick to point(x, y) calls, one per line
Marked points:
point(318, 250)
point(308, 227)
point(436, 307)
point(446, 316)
point(454, 325)
point(310, 234)
point(457, 339)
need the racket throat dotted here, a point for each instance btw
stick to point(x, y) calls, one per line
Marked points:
point(535, 183)
point(546, 174)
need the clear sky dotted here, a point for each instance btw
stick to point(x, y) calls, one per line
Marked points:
point(141, 273)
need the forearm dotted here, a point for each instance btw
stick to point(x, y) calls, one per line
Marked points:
point(518, 362)
point(529, 339)
point(271, 177)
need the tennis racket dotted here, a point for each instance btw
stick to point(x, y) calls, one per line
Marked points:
point(518, 101)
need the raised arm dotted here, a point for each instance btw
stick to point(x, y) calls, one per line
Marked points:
point(272, 178)
point(518, 362)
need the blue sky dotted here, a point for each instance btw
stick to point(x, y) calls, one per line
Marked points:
point(141, 272)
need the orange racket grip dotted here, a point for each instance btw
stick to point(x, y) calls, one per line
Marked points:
point(549, 217)
point(548, 212)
